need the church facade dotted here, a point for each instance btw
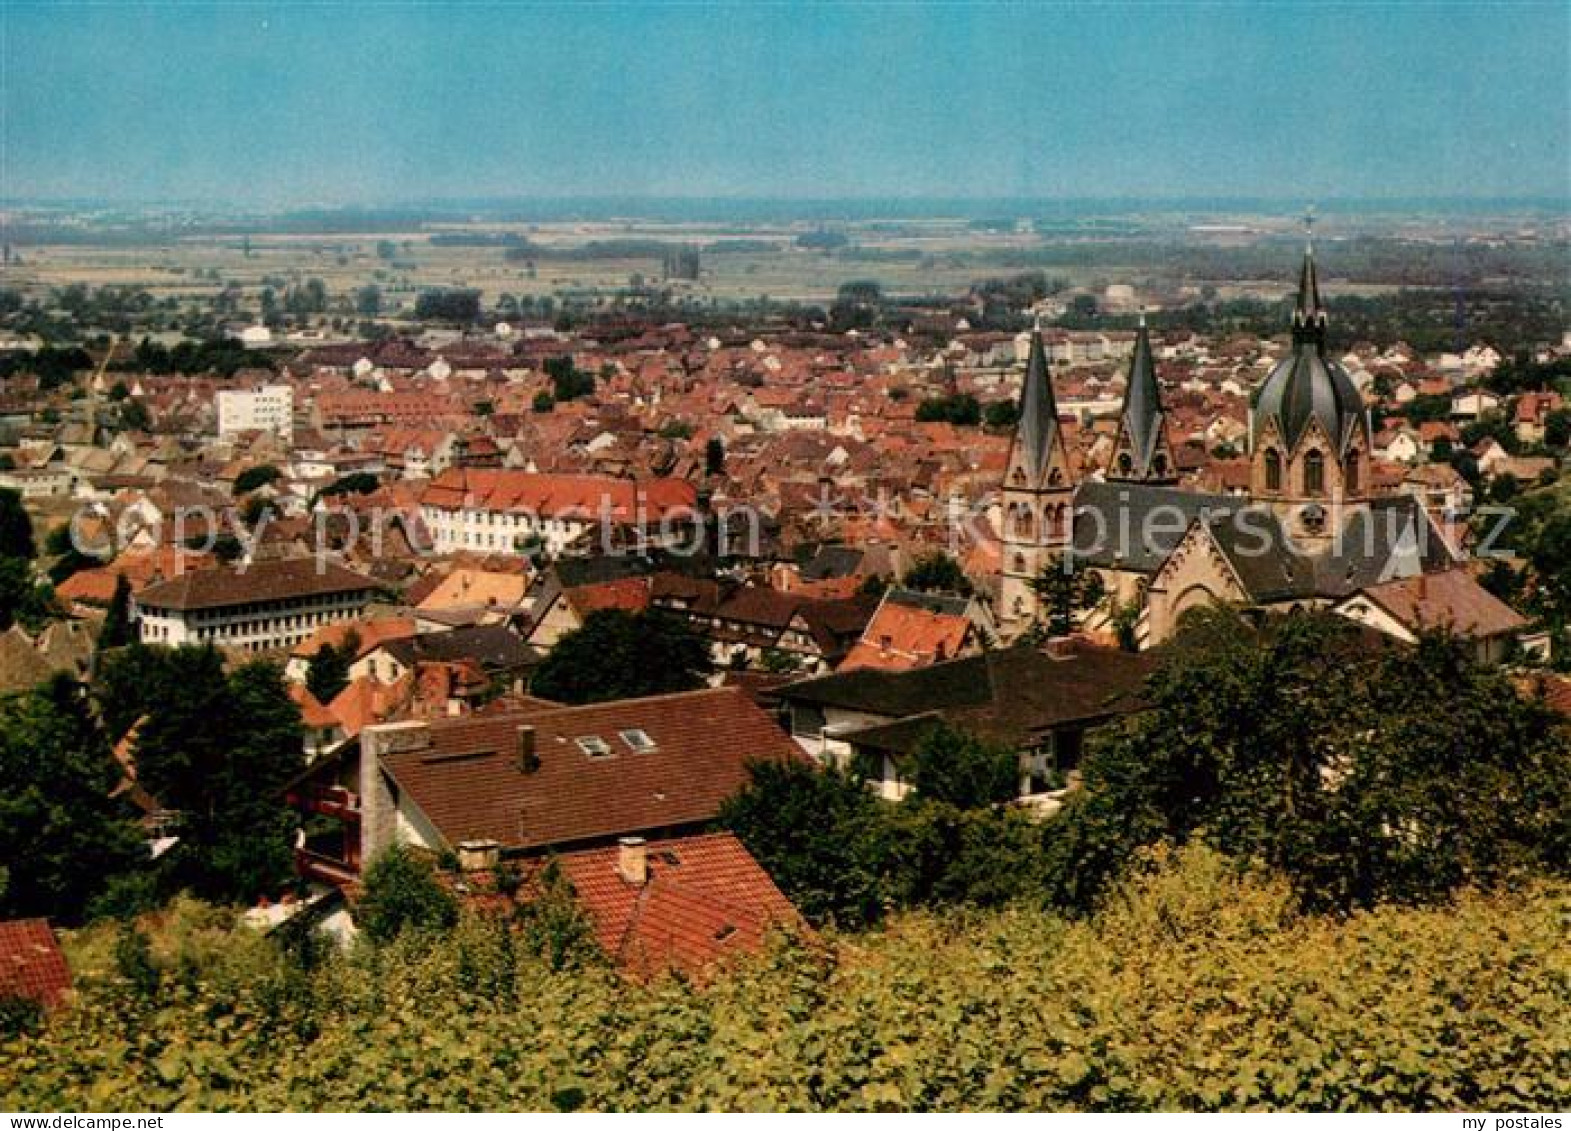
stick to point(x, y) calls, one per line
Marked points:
point(1311, 532)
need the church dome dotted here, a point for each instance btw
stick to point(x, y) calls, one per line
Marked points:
point(1307, 385)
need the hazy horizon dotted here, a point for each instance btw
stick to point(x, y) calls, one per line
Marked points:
point(273, 106)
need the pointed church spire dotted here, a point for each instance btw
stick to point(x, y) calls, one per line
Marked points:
point(1038, 409)
point(1141, 434)
point(1309, 317)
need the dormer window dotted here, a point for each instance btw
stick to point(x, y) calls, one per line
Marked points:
point(637, 740)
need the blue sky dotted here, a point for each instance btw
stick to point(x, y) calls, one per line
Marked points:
point(294, 103)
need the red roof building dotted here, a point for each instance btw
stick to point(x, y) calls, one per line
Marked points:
point(32, 965)
point(564, 777)
point(681, 904)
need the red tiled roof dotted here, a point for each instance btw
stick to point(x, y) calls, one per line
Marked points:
point(31, 963)
point(900, 637)
point(705, 899)
point(370, 634)
point(469, 784)
point(628, 593)
point(585, 495)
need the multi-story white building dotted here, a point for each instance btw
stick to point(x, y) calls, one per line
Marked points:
point(267, 605)
point(505, 511)
point(266, 408)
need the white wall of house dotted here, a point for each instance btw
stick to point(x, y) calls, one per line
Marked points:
point(270, 408)
point(258, 627)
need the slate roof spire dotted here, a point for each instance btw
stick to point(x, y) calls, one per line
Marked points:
point(1038, 409)
point(1142, 411)
point(1309, 316)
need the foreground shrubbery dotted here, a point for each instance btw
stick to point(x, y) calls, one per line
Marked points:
point(1194, 987)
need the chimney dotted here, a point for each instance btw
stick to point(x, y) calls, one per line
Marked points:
point(378, 809)
point(528, 760)
point(479, 855)
point(632, 860)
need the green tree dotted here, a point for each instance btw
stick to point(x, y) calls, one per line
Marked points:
point(1002, 416)
point(217, 749)
point(937, 572)
point(1362, 773)
point(134, 416)
point(327, 674)
point(254, 477)
point(620, 655)
point(959, 769)
point(16, 528)
point(402, 893)
point(1557, 428)
point(24, 599)
point(62, 837)
point(961, 410)
point(1065, 593)
point(117, 631)
point(819, 834)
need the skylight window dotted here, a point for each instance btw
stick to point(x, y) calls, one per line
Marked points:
point(637, 740)
point(594, 746)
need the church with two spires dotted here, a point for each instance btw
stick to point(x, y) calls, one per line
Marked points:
point(1310, 533)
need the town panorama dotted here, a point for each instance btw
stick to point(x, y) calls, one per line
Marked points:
point(876, 652)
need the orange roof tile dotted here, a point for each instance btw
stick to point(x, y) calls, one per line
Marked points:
point(32, 965)
point(705, 899)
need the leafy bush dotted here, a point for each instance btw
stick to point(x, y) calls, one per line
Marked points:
point(403, 893)
point(1199, 986)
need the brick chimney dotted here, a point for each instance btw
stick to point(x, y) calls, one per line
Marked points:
point(479, 855)
point(632, 860)
point(1059, 647)
point(528, 759)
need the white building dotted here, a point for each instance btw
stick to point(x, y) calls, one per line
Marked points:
point(267, 408)
point(267, 605)
point(491, 511)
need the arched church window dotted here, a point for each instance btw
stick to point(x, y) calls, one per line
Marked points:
point(1125, 464)
point(1273, 470)
point(1351, 474)
point(1019, 477)
point(1314, 472)
point(1020, 563)
point(1020, 520)
point(1159, 465)
point(1055, 477)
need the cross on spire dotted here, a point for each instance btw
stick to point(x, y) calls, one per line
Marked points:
point(1309, 230)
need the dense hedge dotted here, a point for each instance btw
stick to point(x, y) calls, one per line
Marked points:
point(1194, 987)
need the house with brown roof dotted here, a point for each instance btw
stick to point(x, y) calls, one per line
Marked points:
point(1040, 701)
point(1450, 601)
point(265, 605)
point(549, 778)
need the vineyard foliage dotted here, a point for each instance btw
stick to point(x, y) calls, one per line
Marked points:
point(1197, 985)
